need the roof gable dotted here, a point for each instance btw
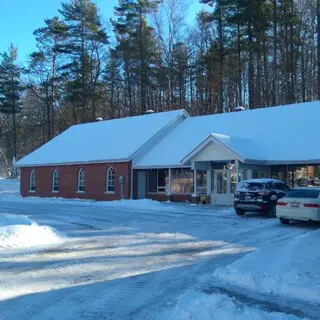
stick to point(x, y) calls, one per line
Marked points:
point(215, 146)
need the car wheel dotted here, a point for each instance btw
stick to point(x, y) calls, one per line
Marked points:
point(284, 221)
point(240, 212)
point(272, 212)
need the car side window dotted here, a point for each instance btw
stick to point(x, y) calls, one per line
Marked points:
point(269, 186)
point(280, 186)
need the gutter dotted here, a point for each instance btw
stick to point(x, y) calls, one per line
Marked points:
point(72, 163)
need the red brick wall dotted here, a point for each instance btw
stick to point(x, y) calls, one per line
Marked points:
point(95, 177)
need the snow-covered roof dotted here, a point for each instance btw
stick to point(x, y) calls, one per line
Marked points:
point(103, 141)
point(283, 134)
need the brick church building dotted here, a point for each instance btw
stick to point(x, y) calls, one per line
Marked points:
point(173, 156)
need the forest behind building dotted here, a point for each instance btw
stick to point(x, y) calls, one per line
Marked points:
point(251, 53)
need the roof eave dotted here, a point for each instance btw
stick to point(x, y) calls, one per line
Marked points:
point(167, 166)
point(73, 163)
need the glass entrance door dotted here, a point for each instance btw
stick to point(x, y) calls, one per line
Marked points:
point(224, 185)
point(221, 190)
point(222, 181)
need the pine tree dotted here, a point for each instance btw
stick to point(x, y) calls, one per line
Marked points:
point(44, 67)
point(84, 36)
point(136, 44)
point(180, 73)
point(10, 90)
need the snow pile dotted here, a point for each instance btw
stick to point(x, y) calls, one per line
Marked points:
point(199, 306)
point(19, 232)
point(290, 269)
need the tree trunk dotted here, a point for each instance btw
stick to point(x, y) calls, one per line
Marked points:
point(251, 68)
point(221, 65)
point(292, 63)
point(83, 93)
point(318, 46)
point(143, 107)
point(303, 77)
point(239, 66)
point(275, 56)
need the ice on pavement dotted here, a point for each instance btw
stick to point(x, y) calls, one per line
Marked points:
point(19, 232)
point(290, 269)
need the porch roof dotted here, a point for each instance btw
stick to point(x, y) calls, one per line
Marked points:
point(284, 134)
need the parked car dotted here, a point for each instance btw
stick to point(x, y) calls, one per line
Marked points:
point(259, 195)
point(300, 204)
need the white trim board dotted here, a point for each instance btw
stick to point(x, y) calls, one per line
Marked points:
point(211, 139)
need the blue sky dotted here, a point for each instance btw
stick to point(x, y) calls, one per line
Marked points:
point(19, 18)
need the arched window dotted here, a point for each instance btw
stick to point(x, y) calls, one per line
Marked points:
point(32, 181)
point(55, 180)
point(81, 181)
point(110, 179)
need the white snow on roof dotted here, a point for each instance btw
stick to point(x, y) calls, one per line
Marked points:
point(245, 147)
point(116, 140)
point(284, 133)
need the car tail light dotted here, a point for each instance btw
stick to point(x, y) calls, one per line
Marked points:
point(281, 204)
point(311, 205)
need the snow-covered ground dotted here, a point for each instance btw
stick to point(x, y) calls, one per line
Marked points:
point(150, 260)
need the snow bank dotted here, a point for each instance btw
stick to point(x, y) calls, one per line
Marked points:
point(199, 306)
point(19, 232)
point(9, 190)
point(289, 269)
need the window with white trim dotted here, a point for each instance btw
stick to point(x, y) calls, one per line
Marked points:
point(158, 180)
point(81, 181)
point(163, 176)
point(32, 181)
point(202, 181)
point(111, 177)
point(55, 180)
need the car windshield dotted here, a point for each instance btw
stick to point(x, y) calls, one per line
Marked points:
point(252, 186)
point(303, 193)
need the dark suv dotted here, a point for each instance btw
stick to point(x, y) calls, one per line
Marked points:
point(259, 195)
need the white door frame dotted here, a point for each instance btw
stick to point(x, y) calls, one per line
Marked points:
point(222, 198)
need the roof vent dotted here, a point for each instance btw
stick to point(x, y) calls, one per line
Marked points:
point(99, 119)
point(149, 112)
point(239, 108)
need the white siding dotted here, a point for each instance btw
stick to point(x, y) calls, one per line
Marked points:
point(214, 152)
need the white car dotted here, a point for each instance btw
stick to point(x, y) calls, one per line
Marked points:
point(302, 204)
